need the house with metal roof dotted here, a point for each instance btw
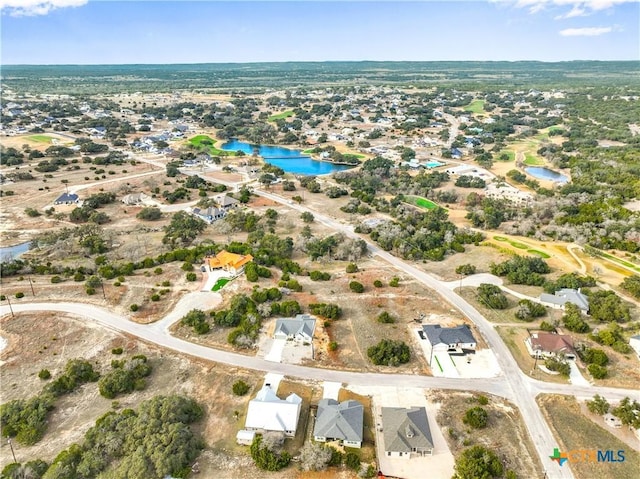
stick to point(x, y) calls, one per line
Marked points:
point(339, 422)
point(267, 412)
point(406, 432)
point(560, 298)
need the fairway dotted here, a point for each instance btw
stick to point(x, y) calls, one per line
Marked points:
point(476, 106)
point(206, 143)
point(281, 116)
point(532, 160)
point(511, 155)
point(421, 202)
point(40, 138)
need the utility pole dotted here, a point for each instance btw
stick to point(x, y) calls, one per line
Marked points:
point(10, 308)
point(102, 285)
point(31, 284)
point(12, 453)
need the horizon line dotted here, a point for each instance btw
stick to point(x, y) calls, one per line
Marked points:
point(313, 61)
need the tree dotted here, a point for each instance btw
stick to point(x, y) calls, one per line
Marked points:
point(314, 456)
point(595, 356)
point(572, 319)
point(385, 318)
point(491, 296)
point(389, 353)
point(528, 310)
point(597, 371)
point(476, 417)
point(266, 459)
point(632, 285)
point(607, 306)
point(356, 287)
point(307, 217)
point(629, 412)
point(598, 405)
point(352, 268)
point(478, 462)
point(149, 213)
point(352, 461)
point(183, 228)
point(466, 269)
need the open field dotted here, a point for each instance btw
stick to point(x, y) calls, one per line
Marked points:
point(421, 202)
point(476, 106)
point(532, 160)
point(40, 138)
point(505, 433)
point(574, 431)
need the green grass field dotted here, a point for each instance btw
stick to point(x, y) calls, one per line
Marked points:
point(511, 154)
point(476, 106)
point(206, 143)
point(220, 284)
point(532, 160)
point(281, 116)
point(40, 138)
point(536, 252)
point(421, 202)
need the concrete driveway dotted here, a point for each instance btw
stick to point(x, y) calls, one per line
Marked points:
point(575, 376)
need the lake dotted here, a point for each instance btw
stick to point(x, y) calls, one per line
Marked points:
point(543, 173)
point(291, 161)
point(12, 252)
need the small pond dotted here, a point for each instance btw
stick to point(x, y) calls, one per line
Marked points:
point(543, 173)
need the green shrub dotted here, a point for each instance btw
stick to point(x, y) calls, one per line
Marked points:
point(385, 318)
point(56, 279)
point(389, 353)
point(395, 282)
point(44, 374)
point(333, 346)
point(117, 351)
point(352, 268)
point(19, 294)
point(378, 284)
point(466, 269)
point(134, 307)
point(597, 371)
point(191, 276)
point(476, 417)
point(155, 297)
point(356, 287)
point(240, 388)
point(483, 400)
point(352, 461)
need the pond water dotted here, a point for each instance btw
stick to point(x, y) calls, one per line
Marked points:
point(12, 252)
point(543, 173)
point(291, 161)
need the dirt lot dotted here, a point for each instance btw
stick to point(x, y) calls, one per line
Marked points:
point(505, 433)
point(574, 431)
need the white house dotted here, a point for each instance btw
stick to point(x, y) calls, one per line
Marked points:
point(299, 329)
point(267, 412)
point(560, 298)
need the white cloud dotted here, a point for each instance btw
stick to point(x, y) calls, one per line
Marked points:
point(585, 31)
point(579, 8)
point(28, 8)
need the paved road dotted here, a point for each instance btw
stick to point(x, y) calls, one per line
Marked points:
point(520, 388)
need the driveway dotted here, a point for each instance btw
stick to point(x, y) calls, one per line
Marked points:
point(575, 376)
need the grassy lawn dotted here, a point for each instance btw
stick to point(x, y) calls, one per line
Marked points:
point(536, 252)
point(532, 160)
point(420, 202)
point(510, 153)
point(40, 138)
point(308, 151)
point(281, 116)
point(476, 106)
point(573, 430)
point(220, 284)
point(206, 143)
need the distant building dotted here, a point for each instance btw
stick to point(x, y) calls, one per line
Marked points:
point(509, 193)
point(267, 412)
point(406, 432)
point(67, 199)
point(339, 422)
point(544, 345)
point(210, 214)
point(560, 298)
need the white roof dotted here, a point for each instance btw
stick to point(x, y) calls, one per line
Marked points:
point(267, 411)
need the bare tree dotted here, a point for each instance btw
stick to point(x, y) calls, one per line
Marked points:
point(314, 456)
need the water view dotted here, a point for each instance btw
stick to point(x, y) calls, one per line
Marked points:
point(291, 161)
point(543, 173)
point(12, 252)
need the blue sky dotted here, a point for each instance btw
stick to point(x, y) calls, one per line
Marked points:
point(103, 32)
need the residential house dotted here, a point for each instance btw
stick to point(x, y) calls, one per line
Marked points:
point(67, 199)
point(406, 432)
point(560, 298)
point(507, 192)
point(209, 214)
point(634, 342)
point(339, 422)
point(230, 262)
point(134, 199)
point(448, 340)
point(267, 412)
point(226, 202)
point(299, 329)
point(543, 345)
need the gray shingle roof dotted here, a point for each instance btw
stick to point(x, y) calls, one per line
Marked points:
point(301, 324)
point(436, 334)
point(339, 420)
point(566, 295)
point(406, 429)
